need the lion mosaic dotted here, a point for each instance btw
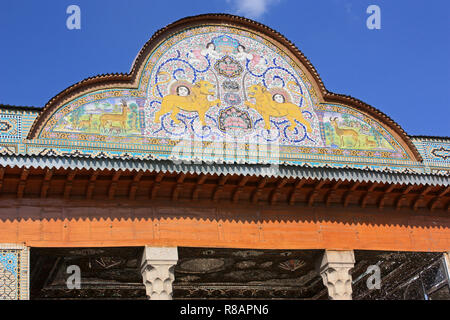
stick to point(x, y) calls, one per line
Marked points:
point(193, 99)
point(270, 106)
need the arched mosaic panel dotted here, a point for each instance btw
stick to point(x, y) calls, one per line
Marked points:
point(222, 84)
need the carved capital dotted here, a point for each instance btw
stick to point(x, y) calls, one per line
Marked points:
point(335, 269)
point(157, 270)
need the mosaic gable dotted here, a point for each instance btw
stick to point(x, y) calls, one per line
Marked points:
point(219, 85)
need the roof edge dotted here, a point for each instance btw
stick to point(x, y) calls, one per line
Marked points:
point(430, 138)
point(20, 108)
point(283, 171)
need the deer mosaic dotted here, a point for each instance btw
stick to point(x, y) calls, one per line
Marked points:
point(120, 118)
point(341, 132)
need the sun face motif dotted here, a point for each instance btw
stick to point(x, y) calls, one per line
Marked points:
point(183, 91)
point(278, 98)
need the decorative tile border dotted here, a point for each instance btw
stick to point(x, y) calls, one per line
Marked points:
point(433, 151)
point(10, 126)
point(14, 272)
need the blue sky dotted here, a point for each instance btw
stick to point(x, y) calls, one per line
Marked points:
point(403, 69)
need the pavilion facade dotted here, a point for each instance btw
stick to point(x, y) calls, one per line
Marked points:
point(219, 167)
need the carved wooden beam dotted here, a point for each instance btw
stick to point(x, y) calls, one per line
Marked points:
point(134, 185)
point(219, 188)
point(401, 198)
point(156, 185)
point(91, 185)
point(257, 193)
point(420, 197)
point(240, 188)
point(418, 200)
point(366, 196)
point(346, 198)
point(297, 186)
point(113, 186)
point(434, 202)
point(69, 181)
point(22, 182)
point(382, 198)
point(178, 186)
point(332, 192)
point(2, 175)
point(200, 181)
point(315, 192)
point(276, 192)
point(46, 183)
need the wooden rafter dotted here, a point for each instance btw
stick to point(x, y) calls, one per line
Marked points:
point(156, 185)
point(134, 185)
point(312, 195)
point(276, 192)
point(240, 188)
point(69, 182)
point(401, 198)
point(420, 197)
point(22, 182)
point(46, 182)
point(297, 186)
point(332, 192)
point(200, 181)
point(113, 186)
point(385, 194)
point(258, 191)
point(348, 194)
point(396, 195)
point(2, 175)
point(366, 196)
point(434, 202)
point(91, 185)
point(219, 188)
point(178, 186)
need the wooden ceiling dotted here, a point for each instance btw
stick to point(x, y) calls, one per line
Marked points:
point(219, 273)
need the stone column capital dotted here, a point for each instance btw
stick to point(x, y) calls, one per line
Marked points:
point(338, 258)
point(157, 268)
point(335, 269)
point(160, 255)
